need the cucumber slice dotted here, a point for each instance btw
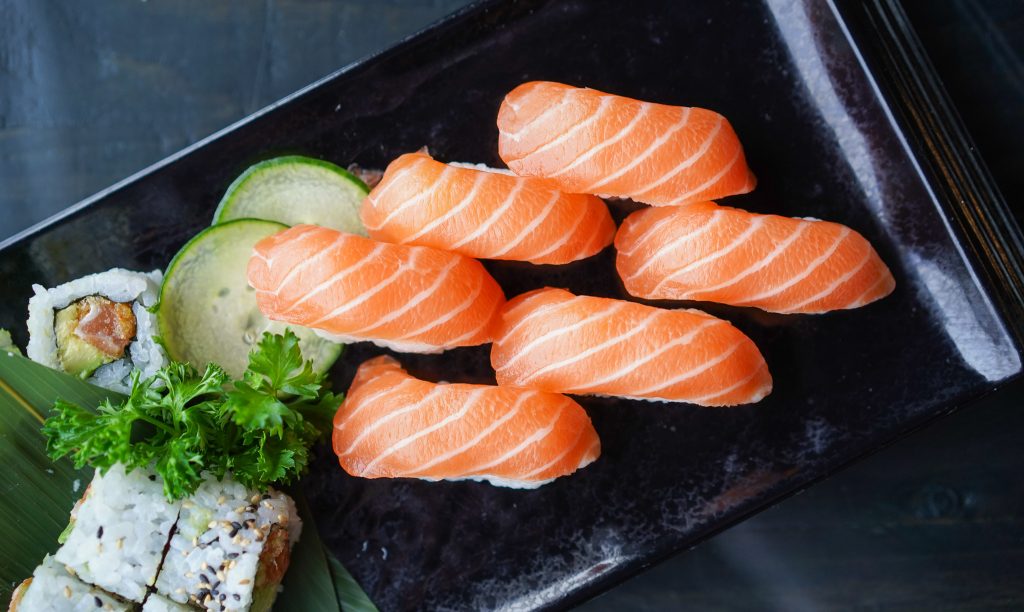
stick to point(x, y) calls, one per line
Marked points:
point(296, 189)
point(207, 310)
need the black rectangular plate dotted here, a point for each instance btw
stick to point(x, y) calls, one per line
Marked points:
point(841, 119)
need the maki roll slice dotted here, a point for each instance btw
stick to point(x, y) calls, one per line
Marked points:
point(231, 547)
point(98, 327)
point(225, 547)
point(53, 589)
point(118, 532)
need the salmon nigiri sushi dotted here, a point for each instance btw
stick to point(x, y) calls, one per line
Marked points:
point(552, 340)
point(349, 288)
point(721, 254)
point(394, 425)
point(483, 212)
point(587, 141)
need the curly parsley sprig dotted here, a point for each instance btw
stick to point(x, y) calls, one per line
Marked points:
point(184, 422)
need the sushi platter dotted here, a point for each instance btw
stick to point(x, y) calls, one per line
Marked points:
point(482, 330)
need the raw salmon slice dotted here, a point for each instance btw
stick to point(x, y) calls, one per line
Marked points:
point(552, 340)
point(394, 425)
point(485, 213)
point(349, 288)
point(587, 141)
point(721, 254)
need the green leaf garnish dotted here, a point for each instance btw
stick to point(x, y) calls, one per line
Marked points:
point(184, 422)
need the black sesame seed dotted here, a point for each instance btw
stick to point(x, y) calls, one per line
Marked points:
point(222, 597)
point(203, 578)
point(266, 496)
point(232, 555)
point(152, 477)
point(202, 594)
point(99, 532)
point(250, 508)
point(98, 602)
point(237, 598)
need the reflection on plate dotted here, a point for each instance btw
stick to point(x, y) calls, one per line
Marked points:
point(823, 142)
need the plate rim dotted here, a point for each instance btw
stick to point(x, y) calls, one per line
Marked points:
point(981, 221)
point(893, 57)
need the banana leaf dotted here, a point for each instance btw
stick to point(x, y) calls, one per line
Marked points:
point(37, 493)
point(350, 594)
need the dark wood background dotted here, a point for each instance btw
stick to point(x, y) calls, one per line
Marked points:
point(93, 91)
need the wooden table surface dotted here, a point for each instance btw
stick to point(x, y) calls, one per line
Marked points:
point(93, 91)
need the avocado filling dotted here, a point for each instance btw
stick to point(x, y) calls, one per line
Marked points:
point(92, 332)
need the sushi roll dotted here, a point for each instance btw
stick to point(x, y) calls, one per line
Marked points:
point(720, 254)
point(554, 341)
point(587, 141)
point(231, 548)
point(98, 327)
point(347, 288)
point(484, 212)
point(118, 532)
point(393, 425)
point(53, 589)
point(158, 603)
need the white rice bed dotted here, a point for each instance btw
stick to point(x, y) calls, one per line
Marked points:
point(53, 589)
point(158, 603)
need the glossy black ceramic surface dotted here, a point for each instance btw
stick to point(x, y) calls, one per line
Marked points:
point(823, 141)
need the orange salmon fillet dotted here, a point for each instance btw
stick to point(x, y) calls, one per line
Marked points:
point(350, 288)
point(720, 254)
point(484, 213)
point(394, 425)
point(552, 340)
point(587, 141)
